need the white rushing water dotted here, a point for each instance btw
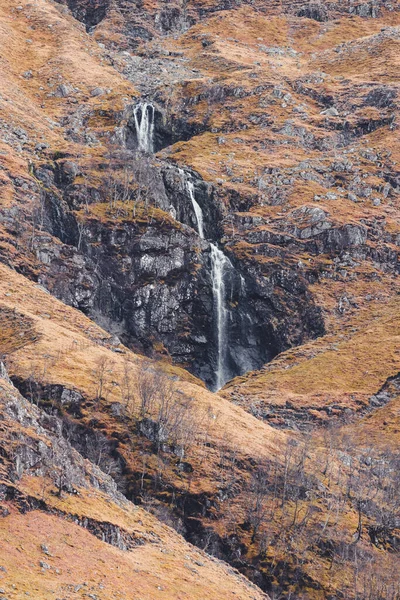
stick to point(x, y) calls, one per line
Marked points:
point(197, 209)
point(220, 265)
point(144, 123)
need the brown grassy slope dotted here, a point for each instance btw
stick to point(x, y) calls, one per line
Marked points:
point(68, 346)
point(46, 544)
point(49, 68)
point(81, 564)
point(44, 49)
point(277, 72)
point(345, 369)
point(243, 56)
point(66, 352)
point(64, 347)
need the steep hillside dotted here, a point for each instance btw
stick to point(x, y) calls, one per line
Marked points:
point(199, 197)
point(66, 530)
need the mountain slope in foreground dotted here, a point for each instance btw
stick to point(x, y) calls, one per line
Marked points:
point(197, 194)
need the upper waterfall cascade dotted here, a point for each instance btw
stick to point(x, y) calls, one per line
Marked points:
point(144, 123)
point(197, 209)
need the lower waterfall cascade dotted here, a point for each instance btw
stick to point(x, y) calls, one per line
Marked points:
point(144, 124)
point(220, 265)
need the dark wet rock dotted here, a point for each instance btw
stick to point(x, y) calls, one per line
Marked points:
point(89, 12)
point(151, 283)
point(185, 467)
point(170, 19)
point(314, 10)
point(66, 172)
point(365, 9)
point(381, 97)
point(176, 183)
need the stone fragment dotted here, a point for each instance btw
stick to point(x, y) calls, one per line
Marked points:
point(63, 91)
point(330, 112)
point(97, 92)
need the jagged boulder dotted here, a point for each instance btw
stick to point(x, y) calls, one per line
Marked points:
point(89, 12)
point(314, 10)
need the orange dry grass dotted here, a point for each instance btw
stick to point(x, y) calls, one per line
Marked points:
point(235, 54)
point(41, 38)
point(15, 331)
point(377, 55)
point(346, 367)
point(165, 567)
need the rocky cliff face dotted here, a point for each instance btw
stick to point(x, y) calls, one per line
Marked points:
point(143, 21)
point(151, 284)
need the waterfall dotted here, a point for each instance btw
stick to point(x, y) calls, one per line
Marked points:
point(220, 264)
point(197, 209)
point(144, 124)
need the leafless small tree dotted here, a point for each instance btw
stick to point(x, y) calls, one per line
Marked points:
point(147, 390)
point(128, 388)
point(170, 413)
point(257, 505)
point(104, 367)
